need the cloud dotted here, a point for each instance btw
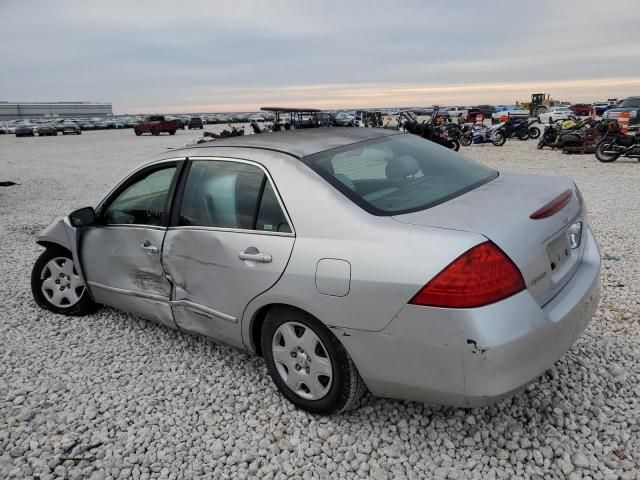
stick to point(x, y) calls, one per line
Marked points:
point(198, 55)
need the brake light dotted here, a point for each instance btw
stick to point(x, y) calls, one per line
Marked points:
point(553, 207)
point(482, 275)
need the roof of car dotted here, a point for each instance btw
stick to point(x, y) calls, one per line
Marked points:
point(300, 143)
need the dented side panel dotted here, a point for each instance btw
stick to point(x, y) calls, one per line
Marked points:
point(212, 284)
point(122, 275)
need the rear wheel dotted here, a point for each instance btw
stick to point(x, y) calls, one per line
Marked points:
point(603, 153)
point(523, 135)
point(56, 285)
point(155, 132)
point(172, 132)
point(454, 145)
point(534, 132)
point(138, 133)
point(465, 140)
point(310, 367)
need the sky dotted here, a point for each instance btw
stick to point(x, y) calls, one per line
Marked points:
point(206, 56)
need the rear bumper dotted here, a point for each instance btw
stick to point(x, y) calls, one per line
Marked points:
point(477, 356)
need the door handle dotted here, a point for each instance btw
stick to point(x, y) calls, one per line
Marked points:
point(148, 248)
point(253, 254)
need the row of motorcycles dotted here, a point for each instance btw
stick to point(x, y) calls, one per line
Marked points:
point(452, 135)
point(602, 137)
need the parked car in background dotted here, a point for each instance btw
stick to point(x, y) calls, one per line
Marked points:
point(581, 109)
point(487, 110)
point(510, 113)
point(196, 123)
point(600, 108)
point(456, 112)
point(180, 123)
point(47, 130)
point(630, 105)
point(509, 281)
point(155, 125)
point(554, 114)
point(25, 131)
point(70, 128)
point(86, 125)
point(472, 115)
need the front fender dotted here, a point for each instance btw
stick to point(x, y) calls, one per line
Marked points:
point(61, 233)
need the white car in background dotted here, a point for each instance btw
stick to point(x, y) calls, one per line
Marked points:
point(554, 114)
point(456, 112)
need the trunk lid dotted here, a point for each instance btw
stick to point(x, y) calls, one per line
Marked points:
point(500, 210)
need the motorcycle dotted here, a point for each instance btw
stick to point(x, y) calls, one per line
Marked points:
point(444, 135)
point(477, 134)
point(521, 129)
point(565, 134)
point(615, 144)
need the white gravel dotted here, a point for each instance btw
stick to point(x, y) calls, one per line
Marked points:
point(111, 396)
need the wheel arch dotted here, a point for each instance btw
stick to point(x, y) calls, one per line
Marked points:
point(257, 321)
point(61, 234)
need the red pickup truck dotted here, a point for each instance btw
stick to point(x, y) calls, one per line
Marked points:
point(155, 125)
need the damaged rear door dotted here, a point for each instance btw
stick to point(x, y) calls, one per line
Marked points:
point(122, 255)
point(230, 240)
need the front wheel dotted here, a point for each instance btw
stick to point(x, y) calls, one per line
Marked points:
point(606, 156)
point(308, 364)
point(172, 132)
point(499, 139)
point(465, 140)
point(523, 135)
point(454, 145)
point(534, 132)
point(56, 285)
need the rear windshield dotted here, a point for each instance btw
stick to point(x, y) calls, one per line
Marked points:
point(398, 174)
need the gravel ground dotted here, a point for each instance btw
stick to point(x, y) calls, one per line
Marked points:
point(112, 396)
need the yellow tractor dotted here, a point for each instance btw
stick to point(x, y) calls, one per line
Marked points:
point(540, 102)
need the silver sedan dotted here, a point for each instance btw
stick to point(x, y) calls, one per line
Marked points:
point(348, 258)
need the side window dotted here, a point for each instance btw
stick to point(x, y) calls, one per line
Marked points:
point(270, 216)
point(228, 195)
point(143, 202)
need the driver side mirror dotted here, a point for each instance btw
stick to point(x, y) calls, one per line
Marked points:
point(83, 217)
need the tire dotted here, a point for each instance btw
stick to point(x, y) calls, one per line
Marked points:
point(454, 145)
point(172, 132)
point(550, 120)
point(155, 132)
point(336, 394)
point(540, 144)
point(605, 157)
point(524, 135)
point(499, 139)
point(534, 132)
point(42, 271)
point(465, 141)
point(138, 133)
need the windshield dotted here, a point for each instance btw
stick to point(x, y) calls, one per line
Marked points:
point(398, 174)
point(631, 102)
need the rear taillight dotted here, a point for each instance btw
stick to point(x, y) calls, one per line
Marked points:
point(478, 277)
point(554, 206)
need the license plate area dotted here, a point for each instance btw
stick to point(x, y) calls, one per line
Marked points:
point(559, 253)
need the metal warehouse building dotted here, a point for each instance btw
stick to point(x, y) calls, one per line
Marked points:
point(54, 109)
